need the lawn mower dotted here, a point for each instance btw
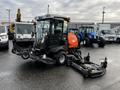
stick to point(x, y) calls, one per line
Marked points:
point(53, 44)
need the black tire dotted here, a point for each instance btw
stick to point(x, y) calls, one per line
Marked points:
point(87, 42)
point(101, 43)
point(68, 62)
point(61, 58)
point(7, 47)
point(13, 51)
point(118, 40)
point(25, 55)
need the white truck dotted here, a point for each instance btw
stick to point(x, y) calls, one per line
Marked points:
point(23, 30)
point(23, 38)
point(107, 33)
point(4, 41)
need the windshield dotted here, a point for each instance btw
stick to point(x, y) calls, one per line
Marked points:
point(42, 28)
point(24, 28)
point(2, 29)
point(86, 29)
point(65, 27)
point(107, 32)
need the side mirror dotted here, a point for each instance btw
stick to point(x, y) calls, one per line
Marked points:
point(34, 23)
point(32, 34)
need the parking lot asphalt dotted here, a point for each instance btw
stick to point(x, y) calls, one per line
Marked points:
point(19, 74)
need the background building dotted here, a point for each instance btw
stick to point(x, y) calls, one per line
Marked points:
point(98, 26)
point(78, 24)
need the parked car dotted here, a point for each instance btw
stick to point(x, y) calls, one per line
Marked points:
point(4, 42)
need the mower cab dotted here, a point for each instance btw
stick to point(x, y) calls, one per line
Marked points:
point(23, 39)
point(49, 46)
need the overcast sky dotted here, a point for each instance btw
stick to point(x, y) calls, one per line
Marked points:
point(77, 10)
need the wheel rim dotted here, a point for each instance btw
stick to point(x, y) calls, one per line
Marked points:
point(62, 59)
point(25, 55)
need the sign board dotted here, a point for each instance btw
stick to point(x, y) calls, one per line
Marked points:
point(104, 27)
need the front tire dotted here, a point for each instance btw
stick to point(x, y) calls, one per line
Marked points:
point(88, 43)
point(61, 58)
point(7, 46)
point(25, 55)
point(118, 40)
point(101, 43)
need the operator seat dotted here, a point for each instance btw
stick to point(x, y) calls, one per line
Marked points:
point(55, 39)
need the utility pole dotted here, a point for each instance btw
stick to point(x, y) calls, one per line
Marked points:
point(8, 15)
point(103, 15)
point(48, 9)
point(0, 18)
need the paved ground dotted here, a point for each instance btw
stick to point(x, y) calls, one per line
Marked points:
point(18, 74)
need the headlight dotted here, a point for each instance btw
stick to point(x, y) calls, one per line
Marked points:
point(4, 36)
point(103, 37)
point(93, 71)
